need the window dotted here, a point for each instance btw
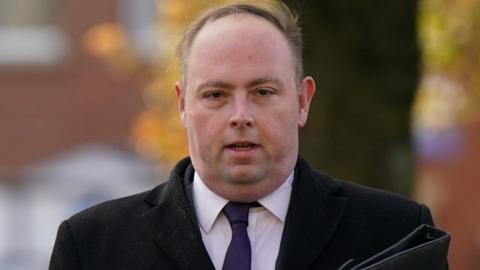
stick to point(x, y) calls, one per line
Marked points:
point(139, 18)
point(29, 34)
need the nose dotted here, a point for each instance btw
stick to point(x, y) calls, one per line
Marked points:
point(241, 116)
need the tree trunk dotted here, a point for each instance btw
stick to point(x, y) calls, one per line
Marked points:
point(365, 60)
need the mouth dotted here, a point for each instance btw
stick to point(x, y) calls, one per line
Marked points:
point(242, 146)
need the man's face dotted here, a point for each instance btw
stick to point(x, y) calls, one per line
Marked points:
point(241, 107)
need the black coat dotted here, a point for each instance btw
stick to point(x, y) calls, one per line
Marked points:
point(328, 222)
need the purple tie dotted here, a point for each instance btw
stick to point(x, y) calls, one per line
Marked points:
point(238, 255)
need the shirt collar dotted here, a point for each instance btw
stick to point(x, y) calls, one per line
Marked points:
point(277, 202)
point(208, 204)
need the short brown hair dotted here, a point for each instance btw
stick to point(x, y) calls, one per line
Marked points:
point(277, 14)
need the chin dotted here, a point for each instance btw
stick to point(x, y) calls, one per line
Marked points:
point(243, 177)
point(243, 194)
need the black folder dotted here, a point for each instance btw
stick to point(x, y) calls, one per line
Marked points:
point(424, 248)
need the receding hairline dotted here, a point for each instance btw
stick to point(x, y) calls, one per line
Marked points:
point(262, 28)
point(278, 15)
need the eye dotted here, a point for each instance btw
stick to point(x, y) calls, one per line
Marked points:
point(265, 92)
point(214, 95)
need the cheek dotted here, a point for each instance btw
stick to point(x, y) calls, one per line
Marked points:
point(280, 128)
point(204, 127)
point(195, 129)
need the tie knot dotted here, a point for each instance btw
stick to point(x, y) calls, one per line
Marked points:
point(237, 212)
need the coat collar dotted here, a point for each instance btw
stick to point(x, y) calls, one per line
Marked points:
point(313, 216)
point(172, 222)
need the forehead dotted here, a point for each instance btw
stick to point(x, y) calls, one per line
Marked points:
point(238, 38)
point(241, 29)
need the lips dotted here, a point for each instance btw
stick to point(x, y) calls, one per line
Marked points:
point(242, 146)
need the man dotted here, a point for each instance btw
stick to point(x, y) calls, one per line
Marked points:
point(244, 199)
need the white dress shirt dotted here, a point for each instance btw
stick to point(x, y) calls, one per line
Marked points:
point(265, 224)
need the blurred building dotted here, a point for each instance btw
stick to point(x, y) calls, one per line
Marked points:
point(448, 171)
point(65, 119)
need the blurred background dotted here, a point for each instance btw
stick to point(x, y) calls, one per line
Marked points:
point(88, 113)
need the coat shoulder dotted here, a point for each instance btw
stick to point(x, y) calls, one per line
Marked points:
point(373, 216)
point(126, 208)
point(116, 210)
point(377, 205)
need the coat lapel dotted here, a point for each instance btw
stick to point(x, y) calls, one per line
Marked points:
point(173, 224)
point(313, 216)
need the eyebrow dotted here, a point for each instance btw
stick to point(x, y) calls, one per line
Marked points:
point(216, 84)
point(229, 86)
point(264, 80)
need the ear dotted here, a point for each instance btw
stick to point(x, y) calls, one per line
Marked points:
point(179, 92)
point(307, 90)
